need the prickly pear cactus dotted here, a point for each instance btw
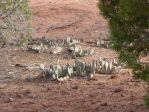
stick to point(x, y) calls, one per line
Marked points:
point(102, 43)
point(54, 46)
point(80, 68)
point(79, 52)
point(70, 42)
point(55, 49)
point(69, 70)
point(38, 48)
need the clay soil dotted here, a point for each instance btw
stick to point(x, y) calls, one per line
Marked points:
point(24, 90)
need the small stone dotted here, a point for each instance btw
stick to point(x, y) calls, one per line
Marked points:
point(75, 87)
point(2, 86)
point(26, 92)
point(117, 90)
point(104, 104)
point(114, 76)
point(92, 77)
point(11, 100)
point(122, 95)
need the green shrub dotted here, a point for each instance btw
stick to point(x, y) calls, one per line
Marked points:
point(129, 28)
point(14, 20)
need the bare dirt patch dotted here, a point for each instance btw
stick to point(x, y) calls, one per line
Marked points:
point(20, 92)
point(76, 18)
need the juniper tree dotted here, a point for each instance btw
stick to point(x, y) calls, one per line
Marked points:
point(129, 28)
point(14, 20)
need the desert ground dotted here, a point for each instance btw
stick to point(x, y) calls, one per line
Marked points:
point(23, 90)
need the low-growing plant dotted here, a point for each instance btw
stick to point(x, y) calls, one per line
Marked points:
point(80, 68)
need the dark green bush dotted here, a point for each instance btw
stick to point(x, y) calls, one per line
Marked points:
point(129, 28)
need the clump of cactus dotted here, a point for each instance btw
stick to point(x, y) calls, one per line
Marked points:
point(79, 52)
point(55, 49)
point(104, 66)
point(48, 42)
point(57, 72)
point(38, 48)
point(80, 68)
point(55, 46)
point(70, 42)
point(101, 43)
point(64, 42)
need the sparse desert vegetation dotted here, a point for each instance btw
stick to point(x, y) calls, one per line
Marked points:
point(68, 65)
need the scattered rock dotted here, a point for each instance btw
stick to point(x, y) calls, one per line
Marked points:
point(118, 90)
point(11, 99)
point(104, 104)
point(75, 87)
point(114, 76)
point(91, 77)
point(2, 86)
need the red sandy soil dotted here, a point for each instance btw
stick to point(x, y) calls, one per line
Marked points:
point(77, 19)
point(84, 16)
